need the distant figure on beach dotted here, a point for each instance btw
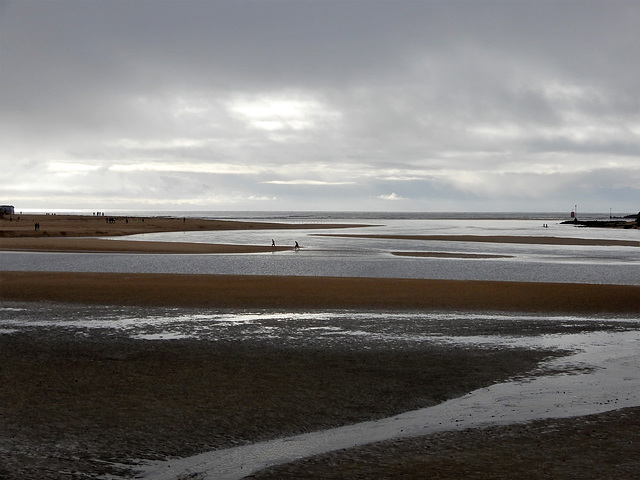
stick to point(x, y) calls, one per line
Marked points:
point(273, 243)
point(297, 247)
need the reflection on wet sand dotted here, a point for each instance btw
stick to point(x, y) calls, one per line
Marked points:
point(600, 376)
point(155, 383)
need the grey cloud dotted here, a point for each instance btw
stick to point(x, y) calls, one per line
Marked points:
point(394, 97)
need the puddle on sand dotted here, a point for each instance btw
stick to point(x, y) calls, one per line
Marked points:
point(607, 378)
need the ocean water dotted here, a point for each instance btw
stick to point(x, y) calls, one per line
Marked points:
point(323, 255)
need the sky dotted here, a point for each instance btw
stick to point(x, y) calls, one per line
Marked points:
point(356, 105)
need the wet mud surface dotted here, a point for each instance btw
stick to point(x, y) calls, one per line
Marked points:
point(90, 390)
point(599, 446)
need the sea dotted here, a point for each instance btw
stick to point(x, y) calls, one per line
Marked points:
point(324, 253)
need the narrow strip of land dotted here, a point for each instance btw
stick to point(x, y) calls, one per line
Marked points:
point(84, 233)
point(99, 245)
point(113, 226)
point(535, 240)
point(449, 255)
point(238, 291)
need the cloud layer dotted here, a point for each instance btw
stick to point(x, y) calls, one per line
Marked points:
point(360, 105)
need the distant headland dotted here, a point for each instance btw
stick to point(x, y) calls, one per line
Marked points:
point(628, 221)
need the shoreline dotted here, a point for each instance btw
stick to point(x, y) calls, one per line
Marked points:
point(529, 240)
point(101, 245)
point(278, 292)
point(82, 233)
point(74, 226)
point(450, 255)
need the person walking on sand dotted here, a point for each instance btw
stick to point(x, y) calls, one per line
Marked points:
point(297, 247)
point(273, 243)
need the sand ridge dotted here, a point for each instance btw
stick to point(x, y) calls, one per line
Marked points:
point(112, 226)
point(101, 245)
point(252, 291)
point(533, 240)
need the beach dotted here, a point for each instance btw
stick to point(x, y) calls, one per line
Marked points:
point(61, 225)
point(75, 405)
point(276, 292)
point(82, 233)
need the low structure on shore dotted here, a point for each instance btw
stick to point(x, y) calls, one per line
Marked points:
point(7, 210)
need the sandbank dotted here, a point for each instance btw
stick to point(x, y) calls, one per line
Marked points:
point(533, 240)
point(113, 226)
point(449, 255)
point(81, 233)
point(239, 291)
point(65, 244)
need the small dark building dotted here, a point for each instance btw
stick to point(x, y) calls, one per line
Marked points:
point(6, 210)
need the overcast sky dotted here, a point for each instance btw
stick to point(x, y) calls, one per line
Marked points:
point(320, 105)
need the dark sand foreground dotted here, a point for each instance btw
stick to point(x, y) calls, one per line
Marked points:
point(77, 405)
point(595, 447)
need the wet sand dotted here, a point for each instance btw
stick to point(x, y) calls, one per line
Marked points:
point(61, 244)
point(77, 404)
point(595, 447)
point(449, 255)
point(274, 292)
point(533, 240)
